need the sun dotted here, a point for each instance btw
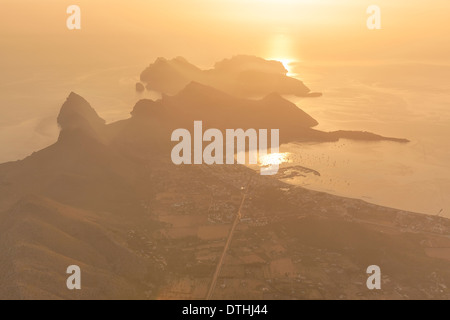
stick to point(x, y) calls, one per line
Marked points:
point(280, 48)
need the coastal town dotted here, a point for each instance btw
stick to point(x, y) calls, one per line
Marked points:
point(289, 243)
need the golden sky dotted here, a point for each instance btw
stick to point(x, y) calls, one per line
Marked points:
point(207, 30)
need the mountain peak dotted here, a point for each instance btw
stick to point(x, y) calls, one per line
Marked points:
point(75, 110)
point(145, 107)
point(77, 115)
point(274, 96)
point(197, 88)
point(196, 92)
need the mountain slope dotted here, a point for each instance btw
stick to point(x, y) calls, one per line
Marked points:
point(109, 199)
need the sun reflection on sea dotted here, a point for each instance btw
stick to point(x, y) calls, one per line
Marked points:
point(287, 64)
point(274, 159)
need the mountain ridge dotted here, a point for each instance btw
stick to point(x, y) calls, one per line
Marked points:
point(241, 75)
point(106, 197)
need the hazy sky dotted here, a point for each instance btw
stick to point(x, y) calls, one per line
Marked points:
point(206, 30)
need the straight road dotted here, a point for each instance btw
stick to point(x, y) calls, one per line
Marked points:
point(227, 245)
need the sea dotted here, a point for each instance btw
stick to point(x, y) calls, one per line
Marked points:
point(409, 100)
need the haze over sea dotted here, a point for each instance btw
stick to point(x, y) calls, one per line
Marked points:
point(372, 82)
point(399, 100)
point(413, 176)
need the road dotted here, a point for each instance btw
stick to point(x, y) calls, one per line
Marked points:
point(237, 219)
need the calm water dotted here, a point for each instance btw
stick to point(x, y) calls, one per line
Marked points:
point(408, 101)
point(30, 101)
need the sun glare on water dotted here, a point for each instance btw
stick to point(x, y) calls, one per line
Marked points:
point(287, 63)
point(274, 159)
